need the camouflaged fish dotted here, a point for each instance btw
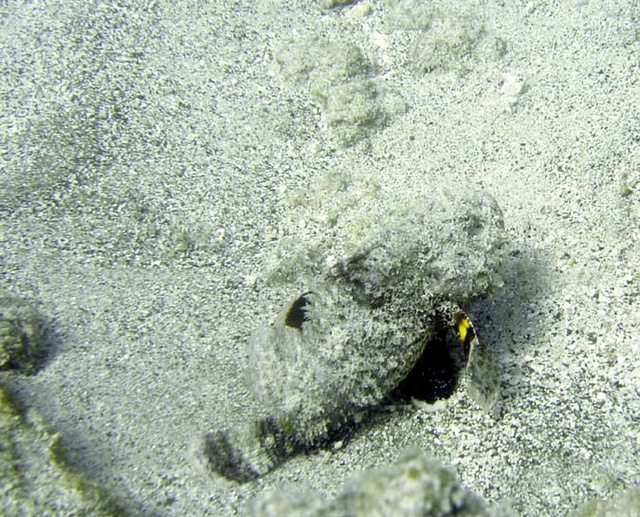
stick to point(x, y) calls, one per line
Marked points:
point(353, 332)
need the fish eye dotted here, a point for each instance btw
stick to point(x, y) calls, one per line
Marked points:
point(297, 313)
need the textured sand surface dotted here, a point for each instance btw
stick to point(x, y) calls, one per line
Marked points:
point(153, 158)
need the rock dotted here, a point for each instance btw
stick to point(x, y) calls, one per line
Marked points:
point(414, 486)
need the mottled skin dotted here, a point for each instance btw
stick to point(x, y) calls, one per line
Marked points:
point(356, 330)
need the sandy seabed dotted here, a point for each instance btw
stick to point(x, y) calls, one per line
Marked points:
point(155, 155)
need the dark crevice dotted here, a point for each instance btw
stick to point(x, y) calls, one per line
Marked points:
point(435, 375)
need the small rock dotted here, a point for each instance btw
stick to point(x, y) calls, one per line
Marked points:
point(415, 486)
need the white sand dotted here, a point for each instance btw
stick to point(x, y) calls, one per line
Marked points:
point(99, 207)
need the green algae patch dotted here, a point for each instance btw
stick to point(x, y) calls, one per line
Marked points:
point(456, 43)
point(444, 38)
point(352, 112)
point(409, 14)
point(625, 504)
point(34, 478)
point(337, 76)
point(22, 336)
point(328, 4)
